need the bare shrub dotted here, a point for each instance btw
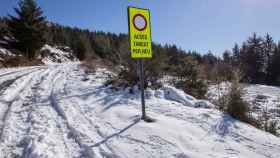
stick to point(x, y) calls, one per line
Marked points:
point(189, 78)
point(91, 64)
point(236, 106)
point(128, 74)
point(233, 103)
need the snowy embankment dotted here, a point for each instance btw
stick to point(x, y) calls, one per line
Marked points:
point(59, 111)
point(53, 55)
point(49, 55)
point(3, 54)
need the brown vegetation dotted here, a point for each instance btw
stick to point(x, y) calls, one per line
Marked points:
point(20, 61)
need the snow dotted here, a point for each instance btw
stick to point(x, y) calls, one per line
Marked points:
point(5, 52)
point(216, 91)
point(262, 98)
point(269, 94)
point(3, 42)
point(53, 55)
point(51, 111)
point(173, 94)
point(204, 104)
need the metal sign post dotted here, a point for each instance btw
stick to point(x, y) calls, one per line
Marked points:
point(141, 66)
point(140, 45)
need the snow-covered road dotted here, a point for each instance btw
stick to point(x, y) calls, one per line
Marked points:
point(59, 111)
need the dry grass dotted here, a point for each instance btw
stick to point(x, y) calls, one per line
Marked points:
point(20, 61)
point(92, 63)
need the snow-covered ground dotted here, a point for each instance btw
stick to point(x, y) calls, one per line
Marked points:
point(59, 111)
point(5, 52)
point(265, 97)
point(53, 54)
point(262, 98)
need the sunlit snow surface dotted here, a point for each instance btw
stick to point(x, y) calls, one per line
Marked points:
point(58, 111)
point(6, 52)
point(51, 55)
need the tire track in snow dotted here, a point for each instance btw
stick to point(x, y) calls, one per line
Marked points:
point(87, 120)
point(6, 83)
point(12, 129)
point(35, 143)
point(88, 132)
point(17, 71)
point(92, 127)
point(74, 131)
point(46, 134)
point(7, 102)
point(75, 134)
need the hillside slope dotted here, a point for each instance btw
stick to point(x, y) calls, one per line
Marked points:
point(58, 111)
point(55, 54)
point(47, 55)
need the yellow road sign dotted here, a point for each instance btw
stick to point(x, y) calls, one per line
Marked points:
point(140, 33)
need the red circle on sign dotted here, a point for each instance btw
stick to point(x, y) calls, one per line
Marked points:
point(139, 17)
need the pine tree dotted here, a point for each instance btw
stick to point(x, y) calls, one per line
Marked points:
point(80, 49)
point(235, 105)
point(28, 28)
point(274, 66)
point(173, 55)
point(227, 57)
point(236, 55)
point(210, 58)
point(269, 47)
point(189, 77)
point(3, 28)
point(253, 59)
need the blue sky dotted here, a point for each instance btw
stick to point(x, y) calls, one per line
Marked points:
point(200, 25)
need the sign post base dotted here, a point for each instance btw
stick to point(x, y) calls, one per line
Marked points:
point(148, 119)
point(142, 87)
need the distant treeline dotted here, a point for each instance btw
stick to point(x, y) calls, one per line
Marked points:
point(258, 58)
